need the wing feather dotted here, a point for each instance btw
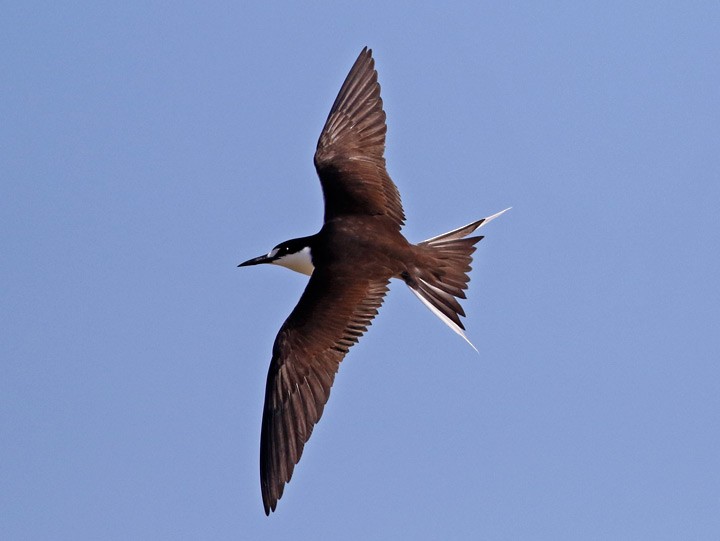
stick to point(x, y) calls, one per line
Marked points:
point(332, 314)
point(350, 153)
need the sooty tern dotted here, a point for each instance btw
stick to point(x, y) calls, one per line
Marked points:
point(350, 263)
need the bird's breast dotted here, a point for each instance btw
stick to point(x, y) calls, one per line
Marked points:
point(365, 245)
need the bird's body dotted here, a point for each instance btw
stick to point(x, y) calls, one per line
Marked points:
point(351, 261)
point(362, 243)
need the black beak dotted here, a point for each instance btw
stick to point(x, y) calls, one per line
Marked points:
point(256, 261)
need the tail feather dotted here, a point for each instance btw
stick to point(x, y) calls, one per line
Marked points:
point(442, 282)
point(442, 300)
point(465, 230)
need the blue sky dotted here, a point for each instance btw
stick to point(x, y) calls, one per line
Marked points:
point(147, 148)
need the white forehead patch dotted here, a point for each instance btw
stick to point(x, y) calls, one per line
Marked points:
point(299, 261)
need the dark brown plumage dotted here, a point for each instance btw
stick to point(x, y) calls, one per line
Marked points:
point(349, 157)
point(353, 257)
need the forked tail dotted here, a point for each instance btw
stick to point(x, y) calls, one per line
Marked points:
point(443, 281)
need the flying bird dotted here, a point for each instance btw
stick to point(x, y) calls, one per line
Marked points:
point(350, 263)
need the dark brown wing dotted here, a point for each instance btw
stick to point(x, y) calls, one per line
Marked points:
point(332, 314)
point(349, 156)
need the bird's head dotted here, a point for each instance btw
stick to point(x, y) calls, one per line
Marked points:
point(293, 254)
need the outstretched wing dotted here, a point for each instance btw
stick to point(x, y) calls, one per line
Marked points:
point(349, 156)
point(332, 314)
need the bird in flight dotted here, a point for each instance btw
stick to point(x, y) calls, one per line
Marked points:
point(350, 263)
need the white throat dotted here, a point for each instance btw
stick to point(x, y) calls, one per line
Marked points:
point(299, 261)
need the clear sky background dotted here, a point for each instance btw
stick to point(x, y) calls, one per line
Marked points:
point(146, 148)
